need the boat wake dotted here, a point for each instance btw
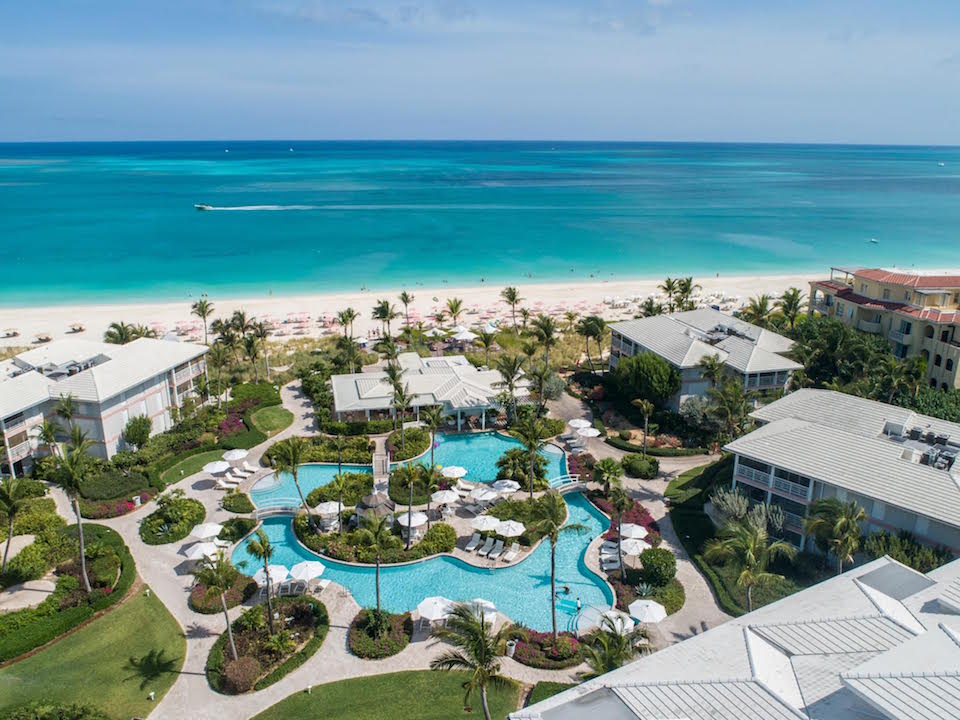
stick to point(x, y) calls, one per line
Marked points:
point(254, 208)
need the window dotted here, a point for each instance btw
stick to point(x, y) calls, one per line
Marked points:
point(944, 336)
point(956, 298)
point(905, 327)
point(937, 360)
point(886, 294)
point(949, 364)
point(906, 295)
point(13, 419)
point(839, 310)
point(754, 465)
point(792, 477)
point(863, 288)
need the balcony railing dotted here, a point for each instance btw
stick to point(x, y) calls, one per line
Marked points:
point(822, 308)
point(869, 327)
point(184, 375)
point(793, 520)
point(790, 488)
point(20, 451)
point(756, 476)
point(902, 338)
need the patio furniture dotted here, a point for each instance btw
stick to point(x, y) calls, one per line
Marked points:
point(611, 564)
point(487, 547)
point(248, 467)
point(474, 542)
point(473, 509)
point(497, 550)
point(512, 553)
point(226, 485)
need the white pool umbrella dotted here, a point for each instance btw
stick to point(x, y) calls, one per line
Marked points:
point(234, 455)
point(206, 531)
point(465, 336)
point(416, 519)
point(453, 471)
point(445, 497)
point(510, 528)
point(307, 570)
point(488, 608)
point(588, 432)
point(506, 486)
point(633, 531)
point(434, 332)
point(647, 611)
point(593, 617)
point(484, 523)
point(434, 608)
point(483, 494)
point(328, 508)
point(216, 467)
point(201, 550)
point(632, 546)
point(278, 573)
point(579, 423)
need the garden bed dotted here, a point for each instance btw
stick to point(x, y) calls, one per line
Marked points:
point(537, 650)
point(416, 441)
point(111, 493)
point(243, 589)
point(637, 515)
point(355, 486)
point(173, 519)
point(235, 529)
point(350, 547)
point(366, 643)
point(357, 450)
point(300, 630)
point(237, 502)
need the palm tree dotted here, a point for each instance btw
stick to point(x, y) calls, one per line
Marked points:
point(288, 456)
point(120, 333)
point(454, 309)
point(432, 417)
point(261, 331)
point(218, 357)
point(229, 339)
point(345, 320)
point(438, 317)
point(406, 299)
point(730, 407)
point(385, 313)
point(549, 518)
point(431, 482)
point(477, 651)
point(13, 499)
point(611, 649)
point(651, 307)
point(669, 288)
point(339, 484)
point(622, 503)
point(378, 537)
point(401, 403)
point(592, 327)
point(525, 315)
point(750, 549)
point(486, 340)
point(646, 408)
point(241, 323)
point(540, 374)
point(509, 367)
point(262, 549)
point(251, 347)
point(836, 524)
point(203, 309)
point(546, 329)
point(570, 318)
point(607, 472)
point(74, 467)
point(48, 435)
point(758, 311)
point(511, 296)
point(529, 433)
point(791, 305)
point(711, 368)
point(218, 575)
point(685, 290)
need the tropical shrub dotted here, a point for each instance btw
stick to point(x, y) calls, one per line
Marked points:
point(514, 464)
point(647, 376)
point(637, 515)
point(363, 427)
point(622, 443)
point(526, 511)
point(111, 484)
point(240, 675)
point(137, 431)
point(905, 548)
point(416, 441)
point(37, 515)
point(537, 649)
point(237, 502)
point(54, 711)
point(639, 467)
point(659, 565)
point(351, 546)
point(356, 486)
point(243, 589)
point(371, 640)
point(103, 509)
point(356, 450)
point(173, 519)
point(236, 529)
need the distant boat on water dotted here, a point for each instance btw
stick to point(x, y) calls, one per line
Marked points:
point(201, 206)
point(874, 241)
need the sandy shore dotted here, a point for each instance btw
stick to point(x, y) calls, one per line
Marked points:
point(483, 302)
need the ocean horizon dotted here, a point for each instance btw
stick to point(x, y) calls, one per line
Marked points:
point(104, 222)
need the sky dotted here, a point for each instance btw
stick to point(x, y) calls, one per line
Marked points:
point(860, 71)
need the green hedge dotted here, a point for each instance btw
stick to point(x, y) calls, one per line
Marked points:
point(237, 502)
point(637, 466)
point(672, 596)
point(546, 689)
point(112, 483)
point(416, 441)
point(236, 529)
point(37, 514)
point(616, 442)
point(172, 521)
point(365, 644)
point(357, 450)
point(155, 470)
point(363, 427)
point(54, 711)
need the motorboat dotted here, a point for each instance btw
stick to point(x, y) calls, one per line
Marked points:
point(202, 206)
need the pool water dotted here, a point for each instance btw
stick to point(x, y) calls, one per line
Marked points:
point(273, 489)
point(479, 452)
point(521, 591)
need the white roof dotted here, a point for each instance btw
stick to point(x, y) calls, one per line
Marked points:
point(684, 339)
point(814, 654)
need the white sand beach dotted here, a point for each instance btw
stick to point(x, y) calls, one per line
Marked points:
point(290, 313)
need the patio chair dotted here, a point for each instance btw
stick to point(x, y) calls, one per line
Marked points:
point(321, 585)
point(222, 543)
point(473, 509)
point(298, 588)
point(611, 564)
point(230, 475)
point(474, 542)
point(512, 553)
point(497, 550)
point(226, 485)
point(284, 588)
point(249, 468)
point(487, 547)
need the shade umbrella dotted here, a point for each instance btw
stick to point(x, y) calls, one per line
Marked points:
point(465, 336)
point(206, 531)
point(216, 467)
point(453, 471)
point(375, 500)
point(434, 332)
point(415, 519)
point(588, 432)
point(510, 528)
point(376, 512)
point(234, 455)
point(633, 531)
point(201, 550)
point(506, 486)
point(444, 497)
point(483, 494)
point(435, 608)
point(647, 611)
point(478, 605)
point(307, 570)
point(484, 523)
point(329, 508)
point(278, 573)
point(579, 423)
point(632, 546)
point(595, 616)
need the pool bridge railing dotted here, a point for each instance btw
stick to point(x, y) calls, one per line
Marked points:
point(567, 483)
point(278, 506)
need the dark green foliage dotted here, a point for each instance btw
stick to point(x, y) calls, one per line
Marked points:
point(546, 689)
point(242, 590)
point(622, 444)
point(350, 546)
point(904, 548)
point(235, 529)
point(936, 403)
point(53, 711)
point(237, 502)
point(260, 394)
point(373, 638)
point(416, 441)
point(113, 484)
point(514, 464)
point(356, 450)
point(638, 467)
point(356, 485)
point(526, 511)
point(362, 427)
point(672, 596)
point(173, 519)
point(399, 488)
point(659, 565)
point(37, 515)
point(137, 431)
point(647, 376)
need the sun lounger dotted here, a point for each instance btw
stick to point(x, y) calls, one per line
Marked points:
point(512, 553)
point(230, 475)
point(226, 485)
point(474, 542)
point(473, 509)
point(487, 547)
point(321, 586)
point(497, 550)
point(612, 564)
point(249, 468)
point(609, 545)
point(241, 472)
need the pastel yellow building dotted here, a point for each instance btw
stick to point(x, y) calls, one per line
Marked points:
point(919, 313)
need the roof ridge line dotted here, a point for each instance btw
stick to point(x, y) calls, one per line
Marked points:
point(829, 619)
point(895, 621)
point(906, 674)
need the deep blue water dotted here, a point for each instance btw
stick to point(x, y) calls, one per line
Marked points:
point(115, 221)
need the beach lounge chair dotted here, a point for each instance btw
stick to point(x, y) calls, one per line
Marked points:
point(249, 468)
point(612, 564)
point(230, 475)
point(474, 542)
point(226, 485)
point(241, 472)
point(487, 547)
point(497, 550)
point(298, 588)
point(512, 553)
point(609, 545)
point(473, 509)
point(320, 586)
point(285, 588)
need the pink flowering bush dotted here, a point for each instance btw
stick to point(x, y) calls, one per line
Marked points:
point(537, 649)
point(637, 515)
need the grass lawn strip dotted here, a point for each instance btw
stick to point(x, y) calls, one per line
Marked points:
point(189, 466)
point(272, 419)
point(113, 663)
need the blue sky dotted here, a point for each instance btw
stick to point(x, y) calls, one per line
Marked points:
point(727, 70)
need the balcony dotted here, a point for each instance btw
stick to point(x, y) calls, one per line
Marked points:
point(21, 451)
point(793, 520)
point(822, 307)
point(902, 338)
point(785, 487)
point(181, 376)
point(754, 476)
point(868, 327)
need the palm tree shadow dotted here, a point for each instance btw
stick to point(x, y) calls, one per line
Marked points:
point(197, 631)
point(151, 667)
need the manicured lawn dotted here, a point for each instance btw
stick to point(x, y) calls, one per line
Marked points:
point(189, 466)
point(272, 419)
point(544, 689)
point(113, 663)
point(420, 694)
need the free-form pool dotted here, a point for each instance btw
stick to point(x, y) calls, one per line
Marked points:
point(479, 452)
point(521, 591)
point(274, 488)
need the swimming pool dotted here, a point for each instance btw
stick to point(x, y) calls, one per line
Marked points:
point(521, 591)
point(479, 452)
point(272, 488)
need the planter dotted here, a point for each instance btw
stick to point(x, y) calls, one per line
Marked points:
point(511, 648)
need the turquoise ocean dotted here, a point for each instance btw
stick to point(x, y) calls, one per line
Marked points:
point(91, 222)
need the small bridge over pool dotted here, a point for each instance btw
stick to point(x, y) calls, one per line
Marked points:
point(567, 483)
point(278, 506)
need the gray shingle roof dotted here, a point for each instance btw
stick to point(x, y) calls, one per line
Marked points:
point(842, 635)
point(716, 700)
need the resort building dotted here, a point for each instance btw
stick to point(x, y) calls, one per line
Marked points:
point(880, 642)
point(451, 381)
point(919, 313)
point(900, 466)
point(109, 384)
point(753, 354)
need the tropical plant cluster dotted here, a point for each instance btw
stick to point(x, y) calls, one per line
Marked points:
point(323, 448)
point(636, 514)
point(633, 584)
point(637, 466)
point(174, 518)
point(538, 649)
point(235, 529)
point(355, 487)
point(202, 601)
point(903, 547)
point(416, 441)
point(515, 465)
point(54, 711)
point(354, 546)
point(525, 511)
point(237, 502)
point(373, 637)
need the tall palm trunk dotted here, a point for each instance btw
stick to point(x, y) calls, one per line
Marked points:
point(646, 425)
point(226, 615)
point(589, 359)
point(553, 588)
point(303, 500)
point(266, 361)
point(83, 556)
point(6, 550)
point(531, 476)
point(749, 598)
point(219, 391)
point(410, 514)
point(269, 601)
point(483, 702)
point(378, 585)
point(620, 540)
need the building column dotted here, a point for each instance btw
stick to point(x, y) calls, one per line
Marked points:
point(459, 419)
point(483, 419)
point(173, 389)
point(6, 444)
